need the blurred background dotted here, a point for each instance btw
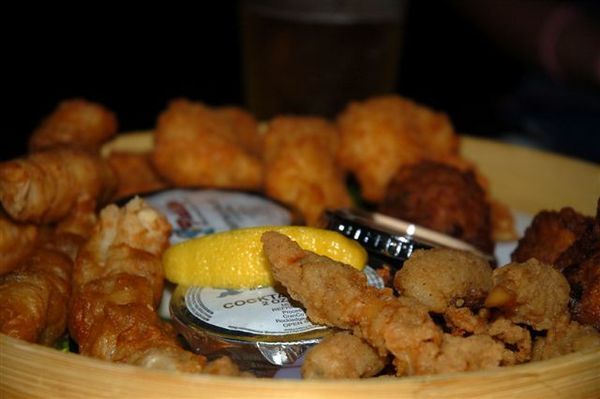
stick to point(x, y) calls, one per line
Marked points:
point(480, 61)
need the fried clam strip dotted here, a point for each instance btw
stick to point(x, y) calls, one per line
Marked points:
point(337, 295)
point(75, 123)
point(45, 186)
point(342, 355)
point(17, 241)
point(118, 281)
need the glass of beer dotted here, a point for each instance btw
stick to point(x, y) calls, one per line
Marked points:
point(315, 56)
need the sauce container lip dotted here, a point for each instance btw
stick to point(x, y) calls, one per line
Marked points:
point(390, 237)
point(182, 315)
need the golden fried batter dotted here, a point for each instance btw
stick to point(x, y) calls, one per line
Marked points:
point(199, 146)
point(135, 174)
point(532, 293)
point(383, 133)
point(342, 355)
point(581, 265)
point(45, 186)
point(75, 123)
point(34, 298)
point(571, 242)
point(442, 198)
point(461, 279)
point(338, 295)
point(118, 281)
point(565, 337)
point(16, 242)
point(515, 339)
point(300, 169)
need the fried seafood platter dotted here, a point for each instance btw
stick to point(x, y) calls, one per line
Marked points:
point(81, 258)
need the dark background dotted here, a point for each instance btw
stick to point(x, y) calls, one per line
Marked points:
point(135, 60)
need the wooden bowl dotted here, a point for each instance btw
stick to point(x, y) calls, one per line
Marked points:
point(525, 179)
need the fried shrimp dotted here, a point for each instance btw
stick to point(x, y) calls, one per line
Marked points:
point(75, 123)
point(342, 355)
point(45, 186)
point(383, 133)
point(118, 281)
point(200, 146)
point(302, 150)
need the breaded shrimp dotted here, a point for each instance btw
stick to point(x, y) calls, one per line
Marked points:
point(75, 123)
point(118, 282)
point(45, 186)
point(199, 146)
point(300, 168)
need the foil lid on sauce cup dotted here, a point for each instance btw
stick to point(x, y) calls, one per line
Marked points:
point(258, 328)
point(390, 240)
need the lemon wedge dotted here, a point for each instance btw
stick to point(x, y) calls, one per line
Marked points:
point(235, 258)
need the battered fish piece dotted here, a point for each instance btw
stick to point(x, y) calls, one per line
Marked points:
point(45, 186)
point(442, 198)
point(17, 241)
point(461, 279)
point(532, 293)
point(381, 134)
point(199, 146)
point(337, 295)
point(118, 281)
point(35, 297)
point(342, 355)
point(300, 167)
point(75, 123)
point(135, 174)
point(550, 234)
